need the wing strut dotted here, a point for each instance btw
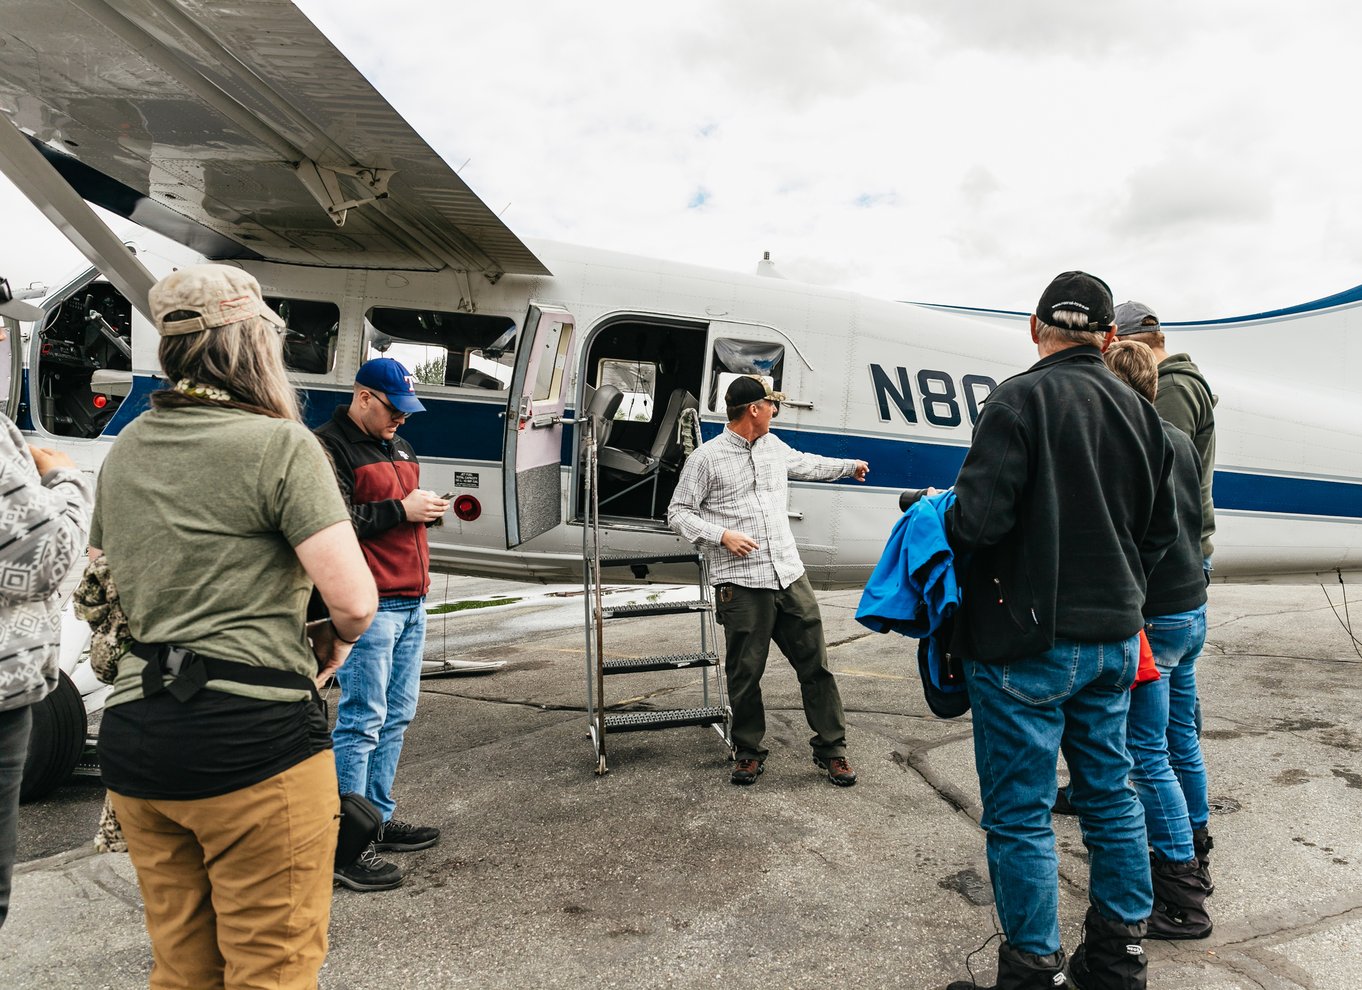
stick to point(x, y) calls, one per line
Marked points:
point(49, 192)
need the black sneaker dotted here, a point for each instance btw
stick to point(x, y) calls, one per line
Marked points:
point(396, 836)
point(369, 872)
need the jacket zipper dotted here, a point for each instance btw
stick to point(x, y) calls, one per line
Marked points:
point(397, 476)
point(999, 585)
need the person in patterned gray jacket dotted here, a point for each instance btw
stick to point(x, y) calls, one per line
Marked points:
point(731, 502)
point(44, 518)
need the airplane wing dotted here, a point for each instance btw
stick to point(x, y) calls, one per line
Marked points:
point(239, 130)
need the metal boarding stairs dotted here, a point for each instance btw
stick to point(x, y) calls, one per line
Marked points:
point(713, 710)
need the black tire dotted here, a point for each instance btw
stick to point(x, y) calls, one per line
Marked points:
point(56, 742)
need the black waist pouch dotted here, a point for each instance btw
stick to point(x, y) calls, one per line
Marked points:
point(359, 823)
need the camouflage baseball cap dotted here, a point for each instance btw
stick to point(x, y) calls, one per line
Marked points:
point(200, 297)
point(748, 389)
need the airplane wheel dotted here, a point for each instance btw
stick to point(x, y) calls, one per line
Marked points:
point(56, 742)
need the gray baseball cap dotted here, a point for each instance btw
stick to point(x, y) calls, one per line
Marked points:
point(1135, 317)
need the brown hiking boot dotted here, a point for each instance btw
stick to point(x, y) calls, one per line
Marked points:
point(746, 772)
point(839, 770)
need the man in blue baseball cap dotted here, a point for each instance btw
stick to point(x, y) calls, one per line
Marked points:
point(381, 481)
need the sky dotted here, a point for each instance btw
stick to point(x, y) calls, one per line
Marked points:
point(1199, 157)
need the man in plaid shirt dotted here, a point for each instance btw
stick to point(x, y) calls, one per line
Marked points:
point(731, 502)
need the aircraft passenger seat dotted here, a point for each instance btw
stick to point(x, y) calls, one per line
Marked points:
point(638, 462)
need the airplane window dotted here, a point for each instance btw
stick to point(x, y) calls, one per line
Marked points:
point(743, 357)
point(84, 361)
point(468, 350)
point(310, 337)
point(553, 359)
point(637, 380)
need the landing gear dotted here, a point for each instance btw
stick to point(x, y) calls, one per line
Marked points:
point(56, 741)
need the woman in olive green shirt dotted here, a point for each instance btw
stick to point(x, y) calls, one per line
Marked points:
point(218, 511)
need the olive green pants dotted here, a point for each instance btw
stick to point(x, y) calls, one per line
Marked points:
point(753, 618)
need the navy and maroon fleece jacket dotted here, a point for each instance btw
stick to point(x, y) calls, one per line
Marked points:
point(374, 477)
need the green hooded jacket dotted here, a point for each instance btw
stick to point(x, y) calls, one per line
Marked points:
point(1185, 399)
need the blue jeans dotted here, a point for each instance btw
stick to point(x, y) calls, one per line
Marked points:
point(1169, 775)
point(379, 684)
point(15, 724)
point(1073, 697)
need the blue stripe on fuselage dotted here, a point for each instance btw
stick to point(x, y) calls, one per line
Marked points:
point(456, 429)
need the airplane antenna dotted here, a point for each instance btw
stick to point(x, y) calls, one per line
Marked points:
point(767, 267)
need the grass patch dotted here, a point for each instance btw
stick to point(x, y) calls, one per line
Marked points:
point(464, 605)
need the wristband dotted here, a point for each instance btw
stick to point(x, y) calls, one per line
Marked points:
point(336, 633)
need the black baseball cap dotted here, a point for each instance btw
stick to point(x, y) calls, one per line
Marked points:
point(1077, 292)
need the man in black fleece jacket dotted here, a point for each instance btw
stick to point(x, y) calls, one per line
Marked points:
point(1063, 507)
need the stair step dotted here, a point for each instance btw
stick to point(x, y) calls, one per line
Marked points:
point(681, 661)
point(653, 558)
point(87, 765)
point(653, 608)
point(664, 719)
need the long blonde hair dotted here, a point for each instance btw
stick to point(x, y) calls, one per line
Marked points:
point(244, 359)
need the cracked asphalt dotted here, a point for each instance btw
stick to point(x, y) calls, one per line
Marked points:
point(661, 873)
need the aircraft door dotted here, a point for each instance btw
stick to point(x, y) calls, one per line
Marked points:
point(532, 465)
point(11, 369)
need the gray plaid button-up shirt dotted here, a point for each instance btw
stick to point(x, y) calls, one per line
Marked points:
point(729, 483)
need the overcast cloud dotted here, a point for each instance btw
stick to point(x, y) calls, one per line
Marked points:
point(1199, 157)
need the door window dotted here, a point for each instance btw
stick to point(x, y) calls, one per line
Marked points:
point(548, 381)
point(743, 357)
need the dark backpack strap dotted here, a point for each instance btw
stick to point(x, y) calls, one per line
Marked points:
point(191, 671)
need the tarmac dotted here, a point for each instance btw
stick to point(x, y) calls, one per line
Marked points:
point(661, 873)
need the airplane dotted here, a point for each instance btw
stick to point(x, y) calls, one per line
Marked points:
point(243, 134)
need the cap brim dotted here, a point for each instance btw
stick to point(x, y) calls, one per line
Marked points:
point(405, 403)
point(24, 312)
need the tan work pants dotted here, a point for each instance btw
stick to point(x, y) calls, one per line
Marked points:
point(238, 887)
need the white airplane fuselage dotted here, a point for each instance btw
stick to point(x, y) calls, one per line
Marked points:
point(898, 385)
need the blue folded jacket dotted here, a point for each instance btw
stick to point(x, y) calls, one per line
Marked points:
point(913, 591)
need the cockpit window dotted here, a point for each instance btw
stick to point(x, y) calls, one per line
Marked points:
point(467, 350)
point(310, 335)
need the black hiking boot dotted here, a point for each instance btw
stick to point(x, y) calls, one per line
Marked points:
point(1111, 956)
point(399, 836)
point(1179, 901)
point(1022, 971)
point(369, 872)
point(1203, 844)
point(1062, 805)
